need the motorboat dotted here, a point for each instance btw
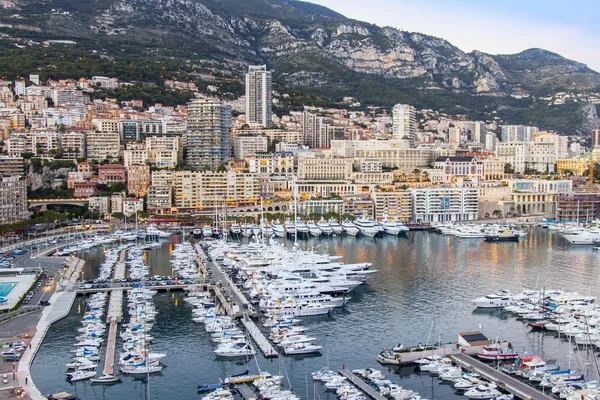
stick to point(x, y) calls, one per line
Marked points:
point(367, 227)
point(278, 229)
point(313, 229)
point(302, 348)
point(349, 228)
point(80, 375)
point(391, 228)
point(496, 300)
point(335, 226)
point(106, 379)
point(235, 349)
point(325, 228)
point(482, 392)
point(495, 352)
point(219, 394)
point(207, 231)
point(235, 229)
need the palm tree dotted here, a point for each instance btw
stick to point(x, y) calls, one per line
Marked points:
point(416, 172)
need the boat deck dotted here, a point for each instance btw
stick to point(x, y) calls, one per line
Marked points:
point(263, 343)
point(515, 386)
point(362, 385)
point(245, 392)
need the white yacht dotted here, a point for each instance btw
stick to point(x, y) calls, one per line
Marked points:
point(483, 391)
point(301, 228)
point(367, 227)
point(335, 226)
point(349, 228)
point(80, 375)
point(235, 229)
point(581, 237)
point(495, 300)
point(325, 228)
point(302, 348)
point(290, 227)
point(235, 349)
point(207, 231)
point(391, 228)
point(278, 229)
point(313, 229)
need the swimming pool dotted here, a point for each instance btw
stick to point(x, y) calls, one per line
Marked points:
point(7, 287)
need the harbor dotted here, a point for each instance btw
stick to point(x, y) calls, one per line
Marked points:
point(397, 294)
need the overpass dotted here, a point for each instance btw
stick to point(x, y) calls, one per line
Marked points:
point(49, 202)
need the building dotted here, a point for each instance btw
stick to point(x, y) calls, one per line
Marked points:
point(490, 141)
point(103, 146)
point(324, 168)
point(258, 96)
point(245, 146)
point(106, 125)
point(132, 206)
point(310, 207)
point(111, 173)
point(160, 199)
point(561, 143)
point(116, 202)
point(164, 151)
point(596, 138)
point(135, 154)
point(198, 191)
point(528, 156)
point(43, 143)
point(16, 145)
point(84, 189)
point(404, 123)
point(274, 135)
point(518, 133)
point(271, 164)
point(130, 131)
point(73, 145)
point(444, 204)
point(393, 205)
point(358, 205)
point(13, 199)
point(537, 196)
point(577, 207)
point(100, 204)
point(575, 166)
point(11, 165)
point(138, 179)
point(207, 142)
point(317, 131)
point(162, 178)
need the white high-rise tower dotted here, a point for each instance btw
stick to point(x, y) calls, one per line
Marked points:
point(404, 123)
point(258, 95)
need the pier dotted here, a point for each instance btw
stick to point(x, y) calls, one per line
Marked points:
point(362, 385)
point(113, 317)
point(504, 381)
point(245, 392)
point(261, 341)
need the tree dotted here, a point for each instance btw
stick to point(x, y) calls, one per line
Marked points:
point(568, 172)
point(118, 215)
point(417, 173)
point(497, 213)
point(508, 168)
point(222, 168)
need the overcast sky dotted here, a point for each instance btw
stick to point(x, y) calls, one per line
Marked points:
point(569, 28)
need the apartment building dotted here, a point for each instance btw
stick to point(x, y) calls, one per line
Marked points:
point(138, 179)
point(103, 145)
point(444, 204)
point(393, 205)
point(160, 199)
point(13, 199)
point(272, 164)
point(73, 144)
point(324, 168)
point(245, 146)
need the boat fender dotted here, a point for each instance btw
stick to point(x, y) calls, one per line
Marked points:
point(462, 350)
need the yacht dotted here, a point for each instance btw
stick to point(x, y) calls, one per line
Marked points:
point(235, 229)
point(313, 229)
point(290, 227)
point(391, 228)
point(483, 391)
point(335, 226)
point(207, 231)
point(278, 229)
point(495, 352)
point(141, 369)
point(496, 300)
point(349, 228)
point(235, 349)
point(302, 348)
point(301, 228)
point(219, 394)
point(367, 227)
point(581, 237)
point(106, 379)
point(325, 228)
point(80, 375)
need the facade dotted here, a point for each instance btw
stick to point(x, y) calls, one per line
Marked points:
point(245, 146)
point(445, 204)
point(393, 205)
point(324, 168)
point(525, 156)
point(561, 143)
point(116, 202)
point(164, 151)
point(197, 191)
point(207, 141)
point(138, 179)
point(130, 131)
point(11, 165)
point(13, 199)
point(518, 133)
point(537, 196)
point(160, 199)
point(100, 204)
point(404, 123)
point(135, 154)
point(258, 95)
point(84, 189)
point(42, 143)
point(313, 206)
point(16, 145)
point(103, 145)
point(577, 166)
point(358, 205)
point(579, 207)
point(111, 173)
point(317, 131)
point(272, 164)
point(132, 206)
point(73, 145)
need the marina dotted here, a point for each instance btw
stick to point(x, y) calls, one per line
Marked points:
point(364, 387)
point(392, 286)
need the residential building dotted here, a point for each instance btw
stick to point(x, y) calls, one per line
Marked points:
point(13, 199)
point(162, 178)
point(106, 125)
point(73, 145)
point(103, 146)
point(393, 205)
point(111, 173)
point(578, 207)
point(100, 204)
point(245, 146)
point(537, 196)
point(160, 199)
point(138, 179)
point(130, 131)
point(11, 165)
point(19, 88)
point(207, 142)
point(274, 135)
point(310, 207)
point(576, 166)
point(324, 168)
point(491, 141)
point(518, 133)
point(116, 202)
point(317, 131)
point(526, 156)
point(271, 163)
point(132, 206)
point(135, 154)
point(358, 205)
point(16, 145)
point(43, 143)
point(258, 95)
point(307, 189)
point(404, 123)
point(370, 165)
point(84, 189)
point(444, 204)
point(164, 151)
point(561, 143)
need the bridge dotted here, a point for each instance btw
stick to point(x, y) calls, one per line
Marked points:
point(48, 202)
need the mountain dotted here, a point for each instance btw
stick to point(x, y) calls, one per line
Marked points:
point(309, 47)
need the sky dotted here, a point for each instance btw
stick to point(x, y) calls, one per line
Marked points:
point(569, 28)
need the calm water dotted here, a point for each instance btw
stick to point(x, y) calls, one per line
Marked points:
point(424, 279)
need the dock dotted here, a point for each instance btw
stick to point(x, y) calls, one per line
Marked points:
point(362, 385)
point(113, 317)
point(504, 381)
point(261, 341)
point(246, 392)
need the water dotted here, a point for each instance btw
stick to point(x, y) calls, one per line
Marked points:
point(424, 279)
point(6, 288)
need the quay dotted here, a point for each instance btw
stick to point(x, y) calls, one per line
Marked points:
point(261, 341)
point(113, 317)
point(245, 392)
point(362, 385)
point(504, 381)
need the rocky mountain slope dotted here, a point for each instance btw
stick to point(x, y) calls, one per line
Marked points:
point(306, 45)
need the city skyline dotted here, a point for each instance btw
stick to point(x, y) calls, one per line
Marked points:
point(506, 27)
